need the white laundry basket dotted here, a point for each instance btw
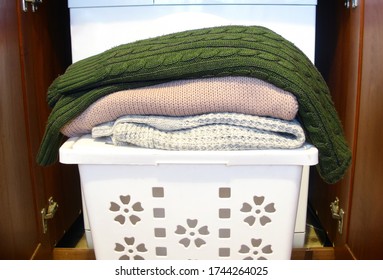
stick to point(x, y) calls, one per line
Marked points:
point(157, 204)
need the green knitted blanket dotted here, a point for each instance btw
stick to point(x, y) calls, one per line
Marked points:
point(251, 51)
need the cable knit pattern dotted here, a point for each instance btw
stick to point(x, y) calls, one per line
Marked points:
point(251, 51)
point(215, 131)
point(189, 97)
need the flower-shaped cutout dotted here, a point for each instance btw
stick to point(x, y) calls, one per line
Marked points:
point(126, 210)
point(131, 252)
point(258, 211)
point(256, 251)
point(192, 233)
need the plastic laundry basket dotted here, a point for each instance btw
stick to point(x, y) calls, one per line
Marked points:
point(157, 204)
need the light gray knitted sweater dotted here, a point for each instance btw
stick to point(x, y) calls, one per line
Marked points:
point(214, 131)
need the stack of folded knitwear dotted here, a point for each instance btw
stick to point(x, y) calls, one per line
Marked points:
point(219, 88)
point(224, 113)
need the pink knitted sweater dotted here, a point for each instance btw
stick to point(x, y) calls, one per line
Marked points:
point(189, 97)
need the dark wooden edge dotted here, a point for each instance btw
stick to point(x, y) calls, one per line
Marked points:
point(73, 254)
point(325, 253)
point(320, 253)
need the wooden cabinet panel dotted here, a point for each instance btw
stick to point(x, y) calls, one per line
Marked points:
point(19, 234)
point(45, 49)
point(352, 66)
point(337, 57)
point(34, 49)
point(366, 223)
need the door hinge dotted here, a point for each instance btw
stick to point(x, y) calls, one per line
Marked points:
point(34, 4)
point(351, 3)
point(337, 213)
point(47, 214)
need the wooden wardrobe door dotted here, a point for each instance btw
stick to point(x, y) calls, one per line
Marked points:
point(46, 53)
point(353, 68)
point(19, 234)
point(338, 54)
point(34, 49)
point(365, 238)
